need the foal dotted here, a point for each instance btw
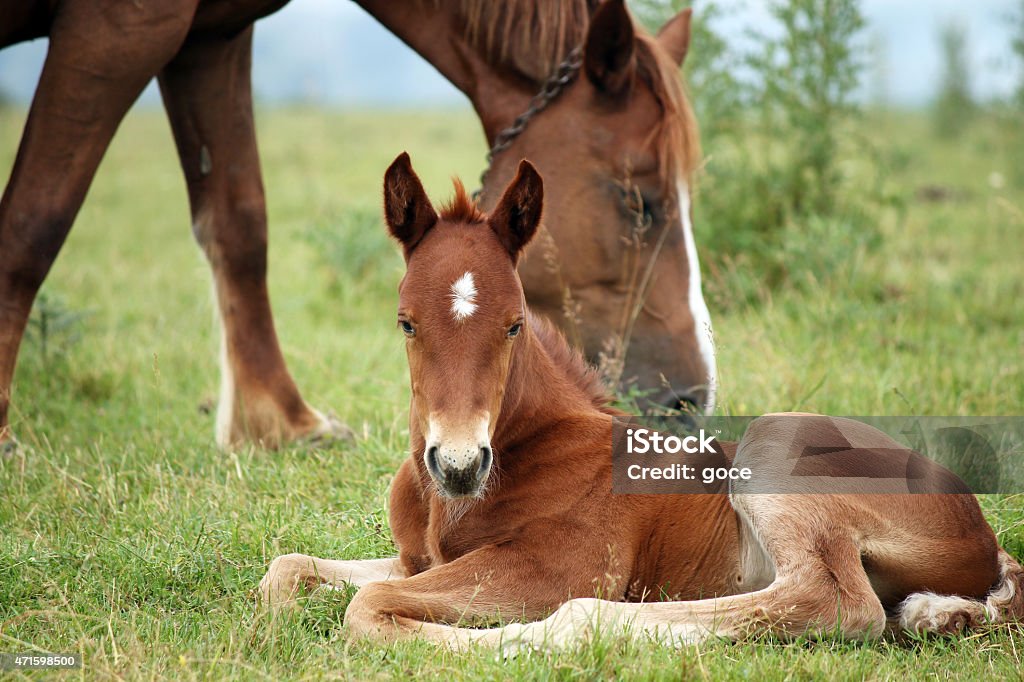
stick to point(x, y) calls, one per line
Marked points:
point(505, 510)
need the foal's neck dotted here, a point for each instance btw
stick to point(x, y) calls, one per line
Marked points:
point(547, 382)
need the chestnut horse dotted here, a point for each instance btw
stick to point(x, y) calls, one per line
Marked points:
point(505, 509)
point(619, 145)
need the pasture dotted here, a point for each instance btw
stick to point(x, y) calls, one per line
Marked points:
point(126, 536)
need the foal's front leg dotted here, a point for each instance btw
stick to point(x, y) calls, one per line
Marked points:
point(487, 585)
point(291, 572)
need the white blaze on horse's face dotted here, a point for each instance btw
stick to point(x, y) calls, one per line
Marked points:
point(463, 297)
point(695, 299)
point(458, 455)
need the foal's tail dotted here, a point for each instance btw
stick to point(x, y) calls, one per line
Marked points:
point(930, 612)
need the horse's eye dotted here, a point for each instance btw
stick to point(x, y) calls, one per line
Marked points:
point(407, 327)
point(515, 329)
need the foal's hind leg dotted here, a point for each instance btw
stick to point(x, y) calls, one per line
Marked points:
point(207, 93)
point(97, 64)
point(819, 588)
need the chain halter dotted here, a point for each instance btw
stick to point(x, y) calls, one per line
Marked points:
point(564, 74)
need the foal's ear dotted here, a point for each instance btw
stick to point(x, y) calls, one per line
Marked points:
point(609, 58)
point(674, 36)
point(407, 209)
point(517, 215)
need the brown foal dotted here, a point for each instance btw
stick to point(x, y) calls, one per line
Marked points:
point(505, 509)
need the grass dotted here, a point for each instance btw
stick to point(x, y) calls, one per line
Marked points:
point(125, 535)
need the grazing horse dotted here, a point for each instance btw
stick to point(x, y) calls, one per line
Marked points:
point(505, 509)
point(619, 144)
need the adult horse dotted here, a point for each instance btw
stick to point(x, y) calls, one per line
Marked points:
point(618, 146)
point(505, 507)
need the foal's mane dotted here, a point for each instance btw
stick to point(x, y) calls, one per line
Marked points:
point(572, 362)
point(461, 208)
point(531, 37)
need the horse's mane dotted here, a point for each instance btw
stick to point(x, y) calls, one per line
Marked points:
point(461, 208)
point(533, 36)
point(567, 358)
point(530, 36)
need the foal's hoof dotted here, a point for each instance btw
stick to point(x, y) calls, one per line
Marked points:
point(280, 586)
point(329, 431)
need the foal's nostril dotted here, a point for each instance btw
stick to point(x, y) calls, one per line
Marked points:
point(433, 466)
point(485, 461)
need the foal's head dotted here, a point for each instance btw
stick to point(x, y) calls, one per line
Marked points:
point(462, 310)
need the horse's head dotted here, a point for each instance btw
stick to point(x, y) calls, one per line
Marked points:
point(462, 310)
point(618, 269)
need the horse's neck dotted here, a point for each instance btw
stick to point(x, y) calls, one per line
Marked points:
point(540, 391)
point(431, 29)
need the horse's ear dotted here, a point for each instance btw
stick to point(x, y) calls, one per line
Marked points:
point(674, 36)
point(407, 209)
point(517, 215)
point(609, 58)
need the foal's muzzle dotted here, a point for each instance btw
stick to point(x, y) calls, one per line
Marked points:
point(458, 472)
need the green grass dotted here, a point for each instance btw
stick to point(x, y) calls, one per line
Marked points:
point(125, 535)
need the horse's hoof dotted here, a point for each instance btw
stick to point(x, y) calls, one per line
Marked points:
point(330, 431)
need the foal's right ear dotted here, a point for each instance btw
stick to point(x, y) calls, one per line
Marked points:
point(407, 209)
point(517, 215)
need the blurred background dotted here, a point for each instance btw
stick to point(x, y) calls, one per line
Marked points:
point(316, 51)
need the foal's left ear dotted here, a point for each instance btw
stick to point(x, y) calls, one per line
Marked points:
point(517, 215)
point(674, 36)
point(407, 209)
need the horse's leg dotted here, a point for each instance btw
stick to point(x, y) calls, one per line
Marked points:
point(495, 582)
point(98, 62)
point(291, 572)
point(820, 587)
point(207, 93)
point(825, 592)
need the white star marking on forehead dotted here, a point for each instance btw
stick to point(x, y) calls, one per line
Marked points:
point(463, 297)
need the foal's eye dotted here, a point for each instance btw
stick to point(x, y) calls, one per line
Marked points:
point(515, 329)
point(407, 327)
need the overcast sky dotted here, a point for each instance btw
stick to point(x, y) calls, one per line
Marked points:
point(330, 51)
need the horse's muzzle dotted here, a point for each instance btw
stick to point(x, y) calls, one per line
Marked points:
point(675, 403)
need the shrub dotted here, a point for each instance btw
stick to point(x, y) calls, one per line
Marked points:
point(954, 107)
point(791, 186)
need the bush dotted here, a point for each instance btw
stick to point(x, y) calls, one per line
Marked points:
point(954, 108)
point(358, 257)
point(791, 187)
